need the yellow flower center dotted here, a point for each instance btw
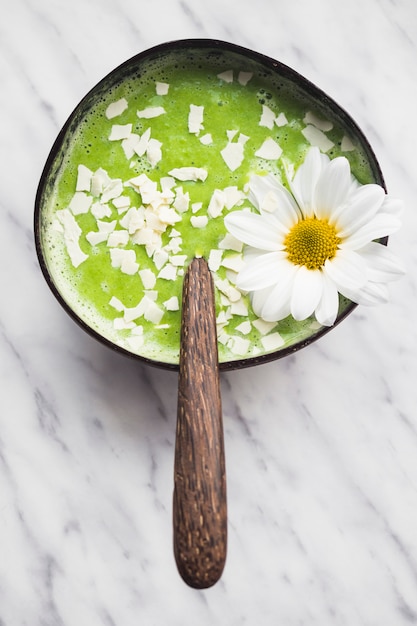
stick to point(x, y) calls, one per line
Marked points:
point(310, 242)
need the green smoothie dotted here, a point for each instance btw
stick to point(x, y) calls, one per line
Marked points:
point(148, 169)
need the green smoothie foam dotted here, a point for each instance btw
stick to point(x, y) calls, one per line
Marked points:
point(122, 218)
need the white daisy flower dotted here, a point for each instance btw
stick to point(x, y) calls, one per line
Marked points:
point(307, 245)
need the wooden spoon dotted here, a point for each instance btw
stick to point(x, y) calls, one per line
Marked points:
point(200, 508)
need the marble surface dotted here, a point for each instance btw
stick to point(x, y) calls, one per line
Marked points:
point(321, 446)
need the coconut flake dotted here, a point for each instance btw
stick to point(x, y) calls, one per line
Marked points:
point(269, 150)
point(167, 183)
point(263, 327)
point(153, 151)
point(196, 206)
point(116, 257)
point(168, 272)
point(311, 118)
point(129, 265)
point(182, 200)
point(57, 226)
point(239, 308)
point(112, 190)
point(347, 145)
point(217, 203)
point(231, 243)
point(100, 210)
point(99, 180)
point(125, 260)
point(222, 318)
point(153, 222)
point(178, 260)
point(317, 138)
point(223, 338)
point(167, 215)
point(267, 117)
point(120, 324)
point(118, 238)
point(273, 341)
point(141, 146)
point(233, 196)
point(228, 290)
point(121, 202)
point(233, 262)
point(189, 173)
point(199, 221)
point(151, 112)
point(148, 278)
point(133, 313)
point(160, 258)
point(244, 328)
point(153, 313)
point(233, 155)
point(135, 342)
point(116, 304)
point(116, 108)
point(175, 245)
point(239, 345)
point(143, 236)
point(94, 237)
point(84, 176)
point(106, 227)
point(120, 131)
point(206, 139)
point(215, 259)
point(72, 233)
point(281, 120)
point(80, 203)
point(172, 304)
point(227, 76)
point(195, 119)
point(161, 88)
point(129, 144)
point(244, 77)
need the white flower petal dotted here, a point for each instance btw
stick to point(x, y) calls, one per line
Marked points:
point(332, 189)
point(328, 307)
point(286, 210)
point(393, 206)
point(259, 231)
point(306, 293)
point(258, 300)
point(382, 265)
point(347, 270)
point(360, 268)
point(250, 254)
point(277, 308)
point(369, 295)
point(259, 187)
point(379, 226)
point(305, 180)
point(261, 272)
point(363, 204)
point(276, 304)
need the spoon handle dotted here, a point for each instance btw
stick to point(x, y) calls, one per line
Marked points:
point(200, 509)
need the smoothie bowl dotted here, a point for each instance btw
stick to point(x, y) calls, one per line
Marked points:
point(145, 170)
point(201, 149)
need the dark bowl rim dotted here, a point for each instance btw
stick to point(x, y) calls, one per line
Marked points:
point(272, 64)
